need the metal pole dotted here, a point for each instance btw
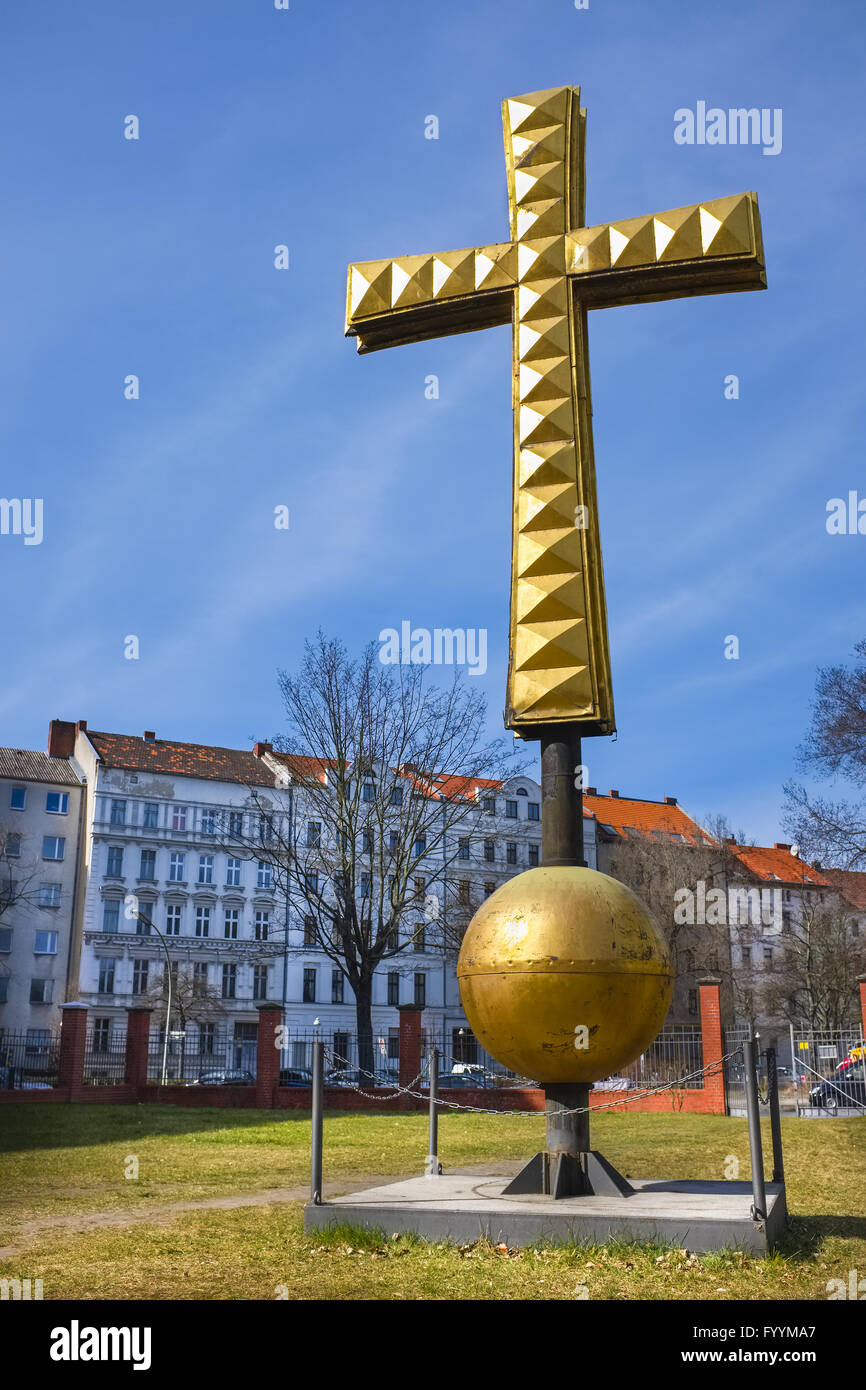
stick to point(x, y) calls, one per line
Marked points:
point(795, 1071)
point(433, 1131)
point(318, 1122)
point(152, 925)
point(562, 799)
point(759, 1197)
point(775, 1119)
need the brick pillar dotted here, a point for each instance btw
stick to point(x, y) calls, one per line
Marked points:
point(711, 1039)
point(73, 1033)
point(268, 1055)
point(410, 1042)
point(137, 1040)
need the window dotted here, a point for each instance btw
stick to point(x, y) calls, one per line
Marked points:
point(368, 791)
point(142, 928)
point(13, 846)
point(488, 805)
point(309, 996)
point(693, 1002)
point(392, 942)
point(263, 879)
point(393, 987)
point(511, 810)
point(396, 796)
point(233, 873)
point(768, 953)
point(202, 921)
point(5, 939)
point(394, 841)
point(314, 834)
point(366, 842)
point(309, 931)
point(18, 798)
point(419, 941)
point(236, 822)
point(147, 867)
point(111, 915)
point(260, 982)
point(420, 989)
point(205, 868)
point(266, 829)
point(337, 991)
point(746, 955)
point(208, 822)
point(532, 810)
point(464, 890)
point(229, 981)
point(4, 989)
point(57, 803)
point(49, 895)
point(533, 856)
point(176, 867)
point(172, 919)
point(178, 817)
point(206, 1039)
point(419, 886)
point(45, 943)
point(311, 882)
point(114, 867)
point(105, 983)
point(41, 991)
point(489, 852)
point(230, 924)
point(488, 889)
point(262, 925)
point(199, 978)
point(365, 885)
point(140, 970)
point(117, 815)
point(101, 1034)
point(53, 847)
point(151, 815)
point(393, 1044)
point(510, 852)
point(463, 852)
point(420, 846)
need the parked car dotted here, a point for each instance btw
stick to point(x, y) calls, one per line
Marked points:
point(466, 1078)
point(615, 1083)
point(845, 1088)
point(296, 1076)
point(241, 1077)
point(351, 1076)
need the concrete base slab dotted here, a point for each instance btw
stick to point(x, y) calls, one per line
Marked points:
point(698, 1216)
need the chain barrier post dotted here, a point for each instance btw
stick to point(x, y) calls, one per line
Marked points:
point(433, 1167)
point(775, 1117)
point(318, 1122)
point(759, 1198)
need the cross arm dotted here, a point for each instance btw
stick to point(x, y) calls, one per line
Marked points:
point(411, 298)
point(707, 248)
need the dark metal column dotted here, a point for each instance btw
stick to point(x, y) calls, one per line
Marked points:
point(759, 1196)
point(318, 1122)
point(775, 1117)
point(561, 799)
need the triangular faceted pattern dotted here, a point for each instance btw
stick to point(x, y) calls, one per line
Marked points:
point(551, 658)
point(722, 227)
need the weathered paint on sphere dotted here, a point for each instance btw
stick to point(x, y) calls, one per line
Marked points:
point(554, 950)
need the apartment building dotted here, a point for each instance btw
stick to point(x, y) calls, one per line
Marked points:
point(41, 801)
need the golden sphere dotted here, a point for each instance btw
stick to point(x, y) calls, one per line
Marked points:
point(557, 951)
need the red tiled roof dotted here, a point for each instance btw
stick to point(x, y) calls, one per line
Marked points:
point(160, 755)
point(304, 767)
point(851, 884)
point(777, 863)
point(633, 818)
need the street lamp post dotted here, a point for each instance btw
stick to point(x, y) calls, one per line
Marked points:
point(152, 925)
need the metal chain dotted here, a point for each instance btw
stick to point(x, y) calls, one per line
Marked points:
point(530, 1114)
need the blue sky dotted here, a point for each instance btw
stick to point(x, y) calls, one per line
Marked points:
point(155, 257)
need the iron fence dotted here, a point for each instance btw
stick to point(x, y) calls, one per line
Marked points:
point(104, 1059)
point(213, 1056)
point(816, 1057)
point(29, 1060)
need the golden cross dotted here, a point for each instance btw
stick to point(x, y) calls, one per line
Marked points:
point(543, 281)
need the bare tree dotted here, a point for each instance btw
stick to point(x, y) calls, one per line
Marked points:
point(829, 829)
point(813, 979)
point(18, 877)
point(385, 771)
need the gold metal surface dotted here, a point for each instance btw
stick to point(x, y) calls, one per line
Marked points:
point(543, 281)
point(557, 950)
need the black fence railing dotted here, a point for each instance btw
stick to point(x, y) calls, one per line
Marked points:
point(218, 1057)
point(29, 1061)
point(104, 1060)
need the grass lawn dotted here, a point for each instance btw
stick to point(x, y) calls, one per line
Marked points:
point(63, 1164)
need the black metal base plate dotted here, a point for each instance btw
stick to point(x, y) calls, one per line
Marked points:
point(569, 1175)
